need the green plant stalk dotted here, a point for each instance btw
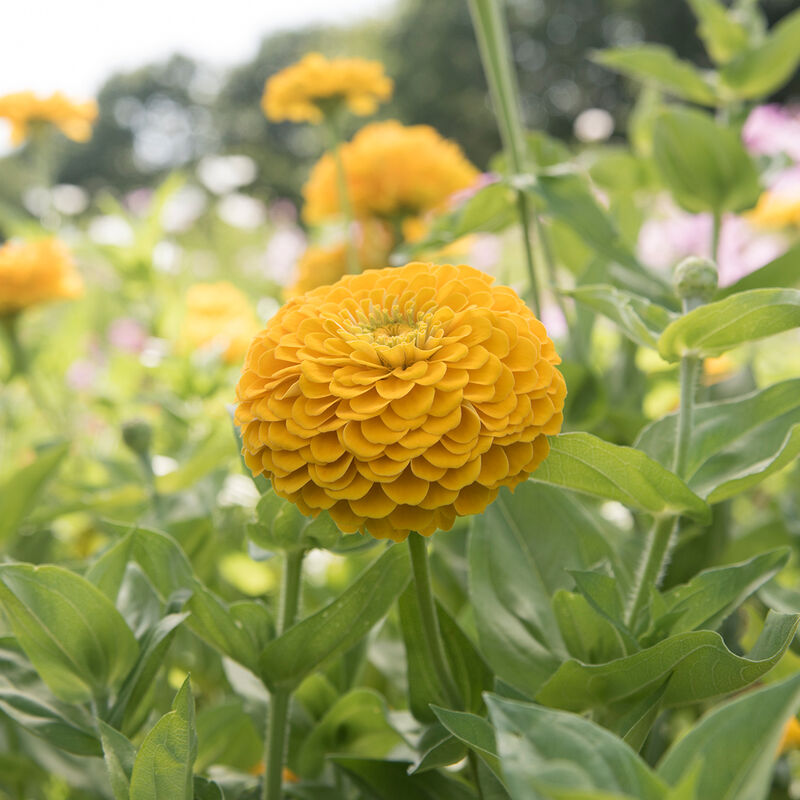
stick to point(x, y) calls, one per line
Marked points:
point(353, 266)
point(8, 322)
point(491, 31)
point(716, 229)
point(278, 715)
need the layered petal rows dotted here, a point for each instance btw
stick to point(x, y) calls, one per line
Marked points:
point(398, 399)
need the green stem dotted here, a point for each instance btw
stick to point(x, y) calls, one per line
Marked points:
point(8, 322)
point(418, 549)
point(353, 266)
point(491, 31)
point(715, 234)
point(277, 719)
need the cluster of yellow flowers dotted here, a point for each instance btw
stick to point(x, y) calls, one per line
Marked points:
point(218, 315)
point(36, 272)
point(25, 110)
point(392, 171)
point(400, 398)
point(315, 86)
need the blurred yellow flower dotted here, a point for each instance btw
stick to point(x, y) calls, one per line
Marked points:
point(218, 315)
point(791, 736)
point(393, 171)
point(36, 272)
point(776, 210)
point(25, 109)
point(314, 86)
point(400, 398)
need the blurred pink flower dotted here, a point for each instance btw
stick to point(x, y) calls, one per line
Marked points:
point(773, 129)
point(485, 251)
point(284, 249)
point(483, 180)
point(664, 241)
point(128, 335)
point(554, 321)
point(82, 374)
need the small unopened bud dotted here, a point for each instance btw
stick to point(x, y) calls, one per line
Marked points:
point(137, 435)
point(695, 279)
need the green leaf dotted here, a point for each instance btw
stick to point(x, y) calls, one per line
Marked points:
point(119, 755)
point(714, 174)
point(388, 780)
point(761, 70)
point(588, 636)
point(164, 763)
point(25, 699)
point(735, 444)
point(722, 34)
point(439, 748)
point(227, 736)
point(75, 638)
point(783, 272)
point(736, 744)
point(529, 538)
point(282, 526)
point(475, 732)
point(20, 492)
point(590, 465)
point(638, 318)
point(697, 665)
point(712, 595)
point(658, 66)
point(339, 626)
point(745, 317)
point(355, 725)
point(470, 672)
point(552, 754)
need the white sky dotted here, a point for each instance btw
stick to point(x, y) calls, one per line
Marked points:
point(74, 45)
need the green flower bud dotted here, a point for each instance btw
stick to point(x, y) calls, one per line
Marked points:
point(137, 435)
point(695, 279)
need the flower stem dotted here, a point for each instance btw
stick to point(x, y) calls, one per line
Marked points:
point(491, 31)
point(418, 549)
point(8, 322)
point(716, 229)
point(277, 719)
point(353, 266)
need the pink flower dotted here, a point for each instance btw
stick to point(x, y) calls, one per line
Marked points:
point(82, 374)
point(773, 129)
point(127, 335)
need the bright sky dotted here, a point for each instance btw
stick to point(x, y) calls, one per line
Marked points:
point(73, 46)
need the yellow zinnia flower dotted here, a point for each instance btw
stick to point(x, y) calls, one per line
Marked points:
point(307, 90)
point(218, 315)
point(36, 272)
point(400, 398)
point(791, 736)
point(776, 210)
point(392, 171)
point(25, 109)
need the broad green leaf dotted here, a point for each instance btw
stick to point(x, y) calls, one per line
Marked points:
point(745, 317)
point(528, 538)
point(715, 173)
point(712, 595)
point(339, 626)
point(356, 725)
point(736, 443)
point(735, 744)
point(470, 672)
point(205, 789)
point(658, 66)
point(590, 465)
point(164, 763)
point(438, 748)
point(474, 731)
point(227, 736)
point(638, 318)
point(723, 35)
point(25, 699)
point(388, 780)
point(553, 754)
point(119, 755)
point(761, 70)
point(697, 665)
point(19, 493)
point(73, 635)
point(781, 273)
point(603, 593)
point(588, 636)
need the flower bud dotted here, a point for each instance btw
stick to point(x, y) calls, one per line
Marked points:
point(695, 279)
point(137, 435)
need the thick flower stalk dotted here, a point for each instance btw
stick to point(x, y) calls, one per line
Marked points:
point(218, 315)
point(401, 398)
point(26, 110)
point(392, 171)
point(316, 87)
point(35, 272)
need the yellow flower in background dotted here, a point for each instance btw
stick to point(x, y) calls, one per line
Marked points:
point(36, 272)
point(400, 398)
point(776, 210)
point(26, 109)
point(218, 315)
point(392, 171)
point(791, 736)
point(307, 90)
